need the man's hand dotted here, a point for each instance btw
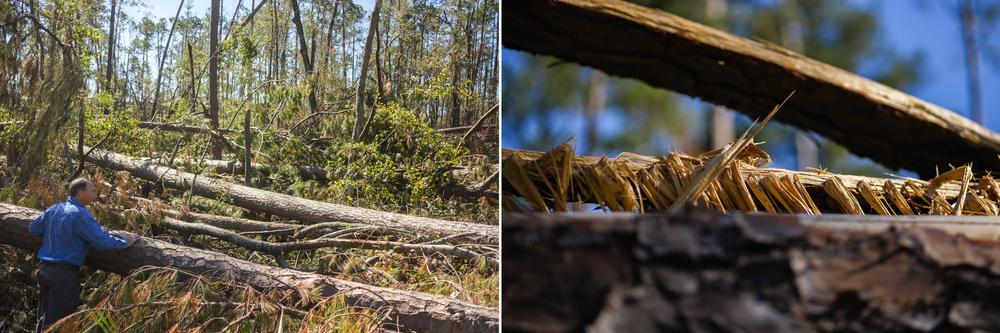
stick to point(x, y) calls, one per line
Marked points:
point(128, 237)
point(131, 238)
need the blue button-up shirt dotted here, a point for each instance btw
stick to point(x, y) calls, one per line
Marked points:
point(68, 231)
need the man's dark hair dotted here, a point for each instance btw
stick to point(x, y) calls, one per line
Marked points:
point(78, 185)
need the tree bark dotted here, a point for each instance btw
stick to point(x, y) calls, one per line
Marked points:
point(359, 120)
point(412, 310)
point(870, 119)
point(213, 77)
point(699, 271)
point(305, 210)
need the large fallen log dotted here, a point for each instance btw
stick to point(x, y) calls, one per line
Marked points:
point(870, 119)
point(305, 210)
point(705, 272)
point(283, 248)
point(312, 172)
point(412, 310)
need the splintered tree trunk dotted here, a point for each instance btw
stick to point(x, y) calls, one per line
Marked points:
point(868, 118)
point(412, 310)
point(305, 210)
point(703, 272)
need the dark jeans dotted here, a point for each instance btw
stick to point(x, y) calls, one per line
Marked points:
point(59, 292)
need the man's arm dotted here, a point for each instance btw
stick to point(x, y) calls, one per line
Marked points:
point(37, 226)
point(92, 232)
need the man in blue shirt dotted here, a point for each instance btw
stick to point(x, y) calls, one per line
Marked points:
point(68, 231)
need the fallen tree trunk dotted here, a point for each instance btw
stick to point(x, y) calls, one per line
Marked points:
point(456, 130)
point(305, 210)
point(700, 271)
point(243, 226)
point(283, 248)
point(412, 310)
point(306, 172)
point(481, 190)
point(236, 168)
point(870, 119)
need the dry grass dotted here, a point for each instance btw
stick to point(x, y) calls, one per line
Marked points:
point(546, 182)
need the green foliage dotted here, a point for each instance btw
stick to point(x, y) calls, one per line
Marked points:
point(402, 161)
point(119, 131)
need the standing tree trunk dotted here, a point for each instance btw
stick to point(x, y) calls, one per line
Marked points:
point(359, 120)
point(213, 78)
point(111, 49)
point(456, 112)
point(967, 16)
point(723, 121)
point(593, 104)
point(307, 61)
point(248, 153)
point(806, 150)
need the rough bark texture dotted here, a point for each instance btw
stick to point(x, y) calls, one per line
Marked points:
point(870, 119)
point(703, 272)
point(305, 210)
point(413, 310)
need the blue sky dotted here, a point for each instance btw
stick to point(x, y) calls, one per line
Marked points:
point(932, 27)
